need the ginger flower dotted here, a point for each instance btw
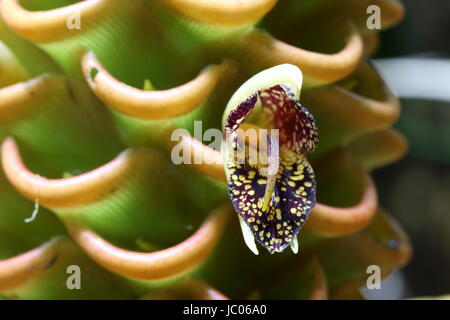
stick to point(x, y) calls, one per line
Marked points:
point(268, 135)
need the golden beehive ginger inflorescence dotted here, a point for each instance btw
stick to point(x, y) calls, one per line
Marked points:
point(90, 93)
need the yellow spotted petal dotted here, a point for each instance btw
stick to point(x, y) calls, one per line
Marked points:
point(270, 182)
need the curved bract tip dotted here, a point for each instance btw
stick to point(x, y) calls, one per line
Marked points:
point(223, 12)
point(211, 163)
point(153, 104)
point(19, 269)
point(165, 263)
point(341, 168)
point(379, 148)
point(15, 98)
point(11, 69)
point(337, 221)
point(354, 107)
point(43, 26)
point(318, 68)
point(67, 192)
point(374, 102)
point(392, 12)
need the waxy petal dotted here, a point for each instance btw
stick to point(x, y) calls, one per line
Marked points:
point(281, 110)
point(298, 130)
point(290, 203)
point(273, 197)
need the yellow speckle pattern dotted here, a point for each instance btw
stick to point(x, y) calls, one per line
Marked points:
point(293, 197)
point(288, 207)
